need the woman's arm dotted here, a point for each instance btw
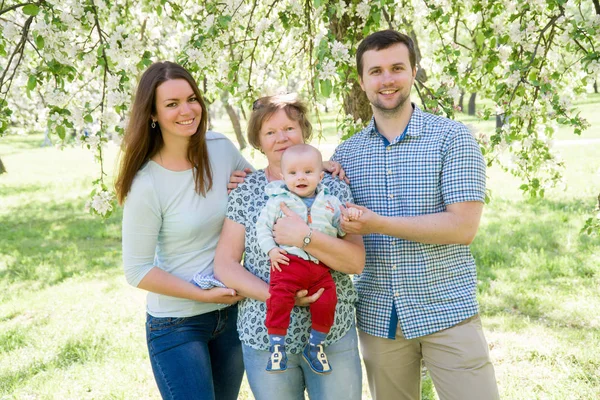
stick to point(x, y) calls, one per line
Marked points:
point(227, 263)
point(229, 270)
point(141, 225)
point(346, 255)
point(162, 282)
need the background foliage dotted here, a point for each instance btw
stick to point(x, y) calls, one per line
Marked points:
point(72, 65)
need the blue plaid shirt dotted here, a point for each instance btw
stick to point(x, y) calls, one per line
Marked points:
point(423, 287)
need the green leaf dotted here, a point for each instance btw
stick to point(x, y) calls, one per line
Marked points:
point(479, 38)
point(31, 9)
point(326, 87)
point(88, 118)
point(39, 42)
point(31, 82)
point(61, 131)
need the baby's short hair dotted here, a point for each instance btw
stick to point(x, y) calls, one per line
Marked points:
point(302, 149)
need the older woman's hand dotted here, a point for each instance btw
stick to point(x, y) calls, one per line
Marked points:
point(291, 229)
point(303, 300)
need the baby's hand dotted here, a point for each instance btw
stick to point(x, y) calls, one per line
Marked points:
point(354, 213)
point(277, 257)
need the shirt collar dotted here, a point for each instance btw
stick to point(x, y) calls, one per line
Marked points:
point(414, 124)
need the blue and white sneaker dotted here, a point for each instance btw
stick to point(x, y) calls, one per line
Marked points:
point(316, 358)
point(278, 360)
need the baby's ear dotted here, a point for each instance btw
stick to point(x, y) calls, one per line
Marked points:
point(281, 176)
point(322, 175)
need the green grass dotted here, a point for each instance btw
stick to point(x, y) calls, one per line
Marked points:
point(71, 328)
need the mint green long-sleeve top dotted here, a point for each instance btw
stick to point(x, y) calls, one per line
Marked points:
point(168, 225)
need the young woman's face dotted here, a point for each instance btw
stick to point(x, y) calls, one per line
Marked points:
point(277, 133)
point(178, 110)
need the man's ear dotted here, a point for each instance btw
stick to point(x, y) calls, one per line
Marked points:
point(360, 82)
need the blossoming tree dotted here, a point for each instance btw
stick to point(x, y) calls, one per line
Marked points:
point(75, 63)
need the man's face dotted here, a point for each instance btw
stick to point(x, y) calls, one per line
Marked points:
point(387, 78)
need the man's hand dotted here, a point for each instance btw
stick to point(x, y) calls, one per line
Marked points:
point(291, 229)
point(277, 257)
point(236, 178)
point(335, 169)
point(364, 225)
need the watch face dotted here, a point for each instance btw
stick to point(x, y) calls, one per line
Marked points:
point(306, 240)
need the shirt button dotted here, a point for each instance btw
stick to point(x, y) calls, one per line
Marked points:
point(388, 148)
point(389, 171)
point(391, 196)
point(397, 294)
point(394, 267)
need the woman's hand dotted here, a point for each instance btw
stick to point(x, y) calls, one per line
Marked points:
point(236, 178)
point(291, 229)
point(303, 300)
point(335, 169)
point(221, 296)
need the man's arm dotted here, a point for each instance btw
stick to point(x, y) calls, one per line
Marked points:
point(457, 225)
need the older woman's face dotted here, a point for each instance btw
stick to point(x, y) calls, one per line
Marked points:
point(277, 134)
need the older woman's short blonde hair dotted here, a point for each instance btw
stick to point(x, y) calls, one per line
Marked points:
point(265, 107)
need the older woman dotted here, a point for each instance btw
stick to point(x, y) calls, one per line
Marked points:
point(276, 123)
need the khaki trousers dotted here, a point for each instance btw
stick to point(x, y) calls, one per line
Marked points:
point(457, 359)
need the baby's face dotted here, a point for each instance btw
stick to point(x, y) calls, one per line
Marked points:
point(302, 173)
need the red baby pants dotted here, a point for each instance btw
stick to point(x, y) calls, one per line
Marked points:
point(300, 274)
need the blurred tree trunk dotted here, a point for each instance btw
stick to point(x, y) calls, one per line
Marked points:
point(472, 104)
point(2, 169)
point(595, 86)
point(461, 101)
point(237, 128)
point(356, 102)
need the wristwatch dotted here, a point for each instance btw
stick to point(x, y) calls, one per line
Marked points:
point(306, 240)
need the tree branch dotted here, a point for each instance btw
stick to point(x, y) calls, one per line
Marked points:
point(14, 7)
point(102, 101)
point(19, 48)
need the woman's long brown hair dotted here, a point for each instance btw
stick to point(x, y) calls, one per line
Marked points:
point(141, 142)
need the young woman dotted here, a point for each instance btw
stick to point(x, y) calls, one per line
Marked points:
point(173, 183)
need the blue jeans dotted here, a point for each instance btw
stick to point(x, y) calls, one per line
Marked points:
point(196, 357)
point(344, 382)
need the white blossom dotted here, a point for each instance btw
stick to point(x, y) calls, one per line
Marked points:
point(340, 52)
point(261, 26)
point(101, 202)
point(363, 9)
point(328, 70)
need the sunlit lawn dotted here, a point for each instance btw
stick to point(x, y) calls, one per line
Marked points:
point(71, 328)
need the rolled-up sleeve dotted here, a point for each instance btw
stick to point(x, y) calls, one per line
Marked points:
point(141, 225)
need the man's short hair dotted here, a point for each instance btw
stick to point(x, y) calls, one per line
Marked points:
point(382, 40)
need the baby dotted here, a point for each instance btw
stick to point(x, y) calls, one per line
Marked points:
point(301, 190)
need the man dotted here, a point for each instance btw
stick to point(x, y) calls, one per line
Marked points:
point(420, 181)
